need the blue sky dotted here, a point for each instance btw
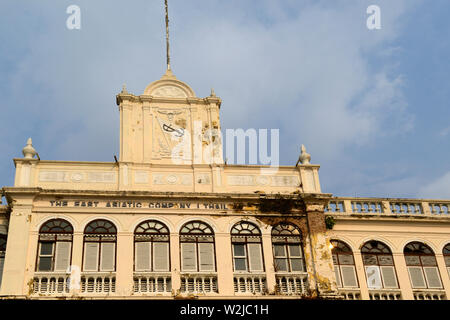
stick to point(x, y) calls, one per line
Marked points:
point(371, 106)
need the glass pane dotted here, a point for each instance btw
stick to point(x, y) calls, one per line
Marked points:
point(297, 264)
point(46, 248)
point(294, 250)
point(279, 250)
point(447, 261)
point(369, 259)
point(412, 260)
point(385, 260)
point(428, 260)
point(281, 265)
point(346, 259)
point(240, 264)
point(239, 250)
point(45, 264)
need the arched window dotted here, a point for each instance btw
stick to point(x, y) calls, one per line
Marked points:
point(54, 246)
point(247, 250)
point(3, 238)
point(151, 247)
point(100, 246)
point(446, 253)
point(197, 247)
point(287, 248)
point(379, 266)
point(422, 266)
point(344, 265)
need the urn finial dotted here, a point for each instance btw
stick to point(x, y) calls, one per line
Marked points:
point(29, 152)
point(304, 156)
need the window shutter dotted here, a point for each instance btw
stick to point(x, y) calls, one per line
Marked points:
point(338, 276)
point(161, 256)
point(433, 278)
point(416, 276)
point(142, 259)
point(349, 277)
point(206, 256)
point(255, 257)
point(62, 256)
point(108, 256)
point(2, 262)
point(90, 256)
point(448, 270)
point(188, 257)
point(389, 278)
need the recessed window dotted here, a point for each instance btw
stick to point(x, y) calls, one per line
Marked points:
point(151, 247)
point(54, 246)
point(344, 265)
point(246, 245)
point(379, 266)
point(197, 247)
point(422, 266)
point(100, 246)
point(287, 248)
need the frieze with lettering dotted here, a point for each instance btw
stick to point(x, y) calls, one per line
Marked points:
point(139, 204)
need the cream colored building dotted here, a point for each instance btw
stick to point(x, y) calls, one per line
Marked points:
point(169, 219)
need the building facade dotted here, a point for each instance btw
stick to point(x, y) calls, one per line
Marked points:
point(169, 219)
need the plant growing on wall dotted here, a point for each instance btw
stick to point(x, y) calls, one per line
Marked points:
point(330, 222)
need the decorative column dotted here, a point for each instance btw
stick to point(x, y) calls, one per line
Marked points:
point(403, 276)
point(14, 271)
point(361, 274)
point(77, 262)
point(224, 261)
point(175, 262)
point(268, 262)
point(319, 242)
point(124, 264)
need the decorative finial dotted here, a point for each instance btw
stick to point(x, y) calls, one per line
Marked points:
point(213, 94)
point(304, 156)
point(167, 35)
point(29, 152)
point(124, 88)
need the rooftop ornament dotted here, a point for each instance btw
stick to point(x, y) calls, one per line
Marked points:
point(304, 157)
point(29, 152)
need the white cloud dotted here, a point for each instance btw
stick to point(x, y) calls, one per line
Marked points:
point(437, 189)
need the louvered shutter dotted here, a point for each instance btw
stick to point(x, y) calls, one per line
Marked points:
point(108, 256)
point(161, 256)
point(433, 278)
point(90, 256)
point(349, 277)
point(142, 259)
point(206, 256)
point(389, 277)
point(416, 276)
point(255, 257)
point(189, 259)
point(338, 276)
point(2, 262)
point(62, 256)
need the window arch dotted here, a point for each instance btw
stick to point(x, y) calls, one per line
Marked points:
point(379, 265)
point(151, 247)
point(100, 238)
point(3, 238)
point(197, 247)
point(422, 266)
point(287, 248)
point(54, 246)
point(247, 247)
point(446, 253)
point(344, 265)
